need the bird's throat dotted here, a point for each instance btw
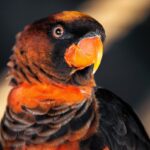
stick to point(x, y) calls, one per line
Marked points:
point(46, 96)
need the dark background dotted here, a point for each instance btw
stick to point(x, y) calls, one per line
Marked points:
point(125, 68)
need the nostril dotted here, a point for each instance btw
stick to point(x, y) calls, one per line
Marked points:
point(92, 34)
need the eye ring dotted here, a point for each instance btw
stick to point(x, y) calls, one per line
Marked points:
point(58, 31)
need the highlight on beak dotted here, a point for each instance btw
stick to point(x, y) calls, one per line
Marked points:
point(86, 52)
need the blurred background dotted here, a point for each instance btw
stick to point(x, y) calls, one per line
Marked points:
point(125, 68)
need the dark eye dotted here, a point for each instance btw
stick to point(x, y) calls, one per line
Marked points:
point(58, 31)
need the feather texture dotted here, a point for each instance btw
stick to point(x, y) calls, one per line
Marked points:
point(33, 126)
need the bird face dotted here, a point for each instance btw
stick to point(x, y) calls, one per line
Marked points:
point(66, 47)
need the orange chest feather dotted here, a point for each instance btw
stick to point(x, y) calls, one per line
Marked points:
point(67, 146)
point(46, 96)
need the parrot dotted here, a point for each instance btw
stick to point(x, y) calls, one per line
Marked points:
point(54, 103)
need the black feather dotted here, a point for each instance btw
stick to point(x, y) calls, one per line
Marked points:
point(120, 128)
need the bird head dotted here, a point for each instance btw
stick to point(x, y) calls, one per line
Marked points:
point(64, 47)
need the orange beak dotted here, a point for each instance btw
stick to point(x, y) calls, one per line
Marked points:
point(87, 52)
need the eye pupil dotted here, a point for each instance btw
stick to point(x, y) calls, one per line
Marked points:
point(58, 31)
